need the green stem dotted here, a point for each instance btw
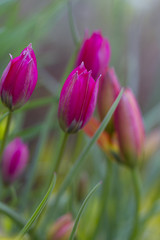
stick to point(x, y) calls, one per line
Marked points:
point(13, 195)
point(5, 133)
point(61, 151)
point(137, 193)
point(72, 24)
point(104, 197)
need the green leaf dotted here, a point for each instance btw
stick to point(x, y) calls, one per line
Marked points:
point(38, 103)
point(155, 210)
point(81, 211)
point(3, 116)
point(38, 151)
point(4, 2)
point(28, 133)
point(12, 214)
point(38, 210)
point(152, 118)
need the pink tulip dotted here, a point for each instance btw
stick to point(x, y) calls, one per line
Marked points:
point(14, 160)
point(109, 88)
point(62, 228)
point(130, 128)
point(19, 79)
point(95, 53)
point(77, 100)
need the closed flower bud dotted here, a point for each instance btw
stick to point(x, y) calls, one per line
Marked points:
point(14, 160)
point(62, 228)
point(77, 99)
point(109, 89)
point(95, 53)
point(130, 128)
point(19, 79)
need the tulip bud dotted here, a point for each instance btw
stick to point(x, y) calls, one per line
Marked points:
point(77, 100)
point(62, 229)
point(109, 89)
point(19, 79)
point(130, 128)
point(14, 160)
point(95, 53)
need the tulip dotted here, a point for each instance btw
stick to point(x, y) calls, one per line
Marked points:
point(19, 79)
point(109, 89)
point(77, 100)
point(95, 53)
point(130, 129)
point(62, 228)
point(14, 160)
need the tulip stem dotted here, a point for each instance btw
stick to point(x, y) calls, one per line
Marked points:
point(137, 193)
point(61, 151)
point(72, 24)
point(9, 117)
point(13, 195)
point(104, 197)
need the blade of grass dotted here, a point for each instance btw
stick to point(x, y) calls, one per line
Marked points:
point(152, 118)
point(81, 211)
point(38, 103)
point(73, 28)
point(30, 27)
point(38, 210)
point(38, 151)
point(3, 116)
point(12, 214)
point(28, 133)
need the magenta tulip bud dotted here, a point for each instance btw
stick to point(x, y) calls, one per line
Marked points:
point(130, 128)
point(95, 53)
point(77, 100)
point(109, 89)
point(14, 160)
point(19, 79)
point(62, 228)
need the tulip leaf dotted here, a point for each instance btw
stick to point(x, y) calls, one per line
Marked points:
point(81, 211)
point(3, 116)
point(152, 118)
point(38, 210)
point(12, 214)
point(38, 151)
point(38, 103)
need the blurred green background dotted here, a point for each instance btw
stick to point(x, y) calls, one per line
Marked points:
point(133, 30)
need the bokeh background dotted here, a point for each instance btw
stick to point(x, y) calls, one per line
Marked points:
point(133, 29)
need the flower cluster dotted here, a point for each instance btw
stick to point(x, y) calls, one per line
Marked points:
point(79, 96)
point(91, 82)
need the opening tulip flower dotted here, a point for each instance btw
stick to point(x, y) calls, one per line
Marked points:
point(14, 160)
point(19, 79)
point(95, 53)
point(77, 99)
